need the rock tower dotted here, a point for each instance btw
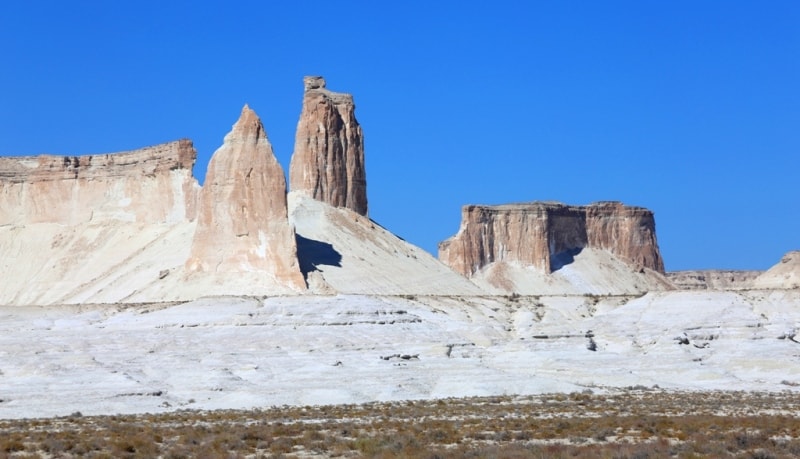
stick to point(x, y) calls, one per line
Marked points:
point(328, 159)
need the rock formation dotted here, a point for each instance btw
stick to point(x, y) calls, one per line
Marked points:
point(328, 159)
point(242, 222)
point(149, 185)
point(546, 234)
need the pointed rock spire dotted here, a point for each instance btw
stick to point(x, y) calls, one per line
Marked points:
point(242, 222)
point(328, 159)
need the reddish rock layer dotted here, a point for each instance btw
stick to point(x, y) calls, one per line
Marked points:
point(534, 233)
point(149, 185)
point(328, 159)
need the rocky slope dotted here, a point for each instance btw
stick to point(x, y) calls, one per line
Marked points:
point(328, 159)
point(345, 252)
point(784, 275)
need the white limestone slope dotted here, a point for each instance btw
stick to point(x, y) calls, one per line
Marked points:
point(784, 274)
point(343, 251)
point(219, 353)
point(592, 271)
point(48, 263)
point(112, 262)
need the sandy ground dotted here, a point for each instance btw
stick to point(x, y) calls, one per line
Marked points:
point(238, 352)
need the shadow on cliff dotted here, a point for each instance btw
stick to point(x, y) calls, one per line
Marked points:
point(311, 253)
point(564, 258)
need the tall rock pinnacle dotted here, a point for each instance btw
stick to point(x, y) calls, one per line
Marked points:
point(242, 222)
point(328, 159)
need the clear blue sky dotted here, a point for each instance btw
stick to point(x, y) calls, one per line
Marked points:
point(689, 108)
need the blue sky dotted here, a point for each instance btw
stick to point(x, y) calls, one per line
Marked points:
point(689, 108)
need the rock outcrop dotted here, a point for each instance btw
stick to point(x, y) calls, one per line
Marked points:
point(149, 185)
point(242, 223)
point(545, 235)
point(328, 159)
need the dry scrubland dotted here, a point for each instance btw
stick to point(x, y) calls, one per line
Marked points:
point(636, 423)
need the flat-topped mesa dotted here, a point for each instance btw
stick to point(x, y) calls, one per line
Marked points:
point(242, 223)
point(328, 159)
point(534, 234)
point(148, 185)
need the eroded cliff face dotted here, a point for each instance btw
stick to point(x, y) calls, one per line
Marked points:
point(545, 235)
point(243, 223)
point(628, 232)
point(148, 185)
point(328, 159)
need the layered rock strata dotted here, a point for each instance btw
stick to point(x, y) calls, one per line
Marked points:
point(148, 185)
point(713, 279)
point(545, 235)
point(328, 159)
point(242, 223)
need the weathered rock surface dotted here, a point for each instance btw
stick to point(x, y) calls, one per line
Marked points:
point(148, 185)
point(784, 275)
point(242, 223)
point(713, 279)
point(546, 235)
point(328, 159)
point(628, 232)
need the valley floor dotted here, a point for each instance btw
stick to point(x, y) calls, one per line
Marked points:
point(243, 353)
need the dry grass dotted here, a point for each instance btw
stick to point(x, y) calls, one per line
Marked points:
point(634, 424)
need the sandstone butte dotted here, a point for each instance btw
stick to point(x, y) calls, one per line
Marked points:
point(536, 233)
point(328, 159)
point(242, 221)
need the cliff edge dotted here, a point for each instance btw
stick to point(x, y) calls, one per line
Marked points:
point(148, 185)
